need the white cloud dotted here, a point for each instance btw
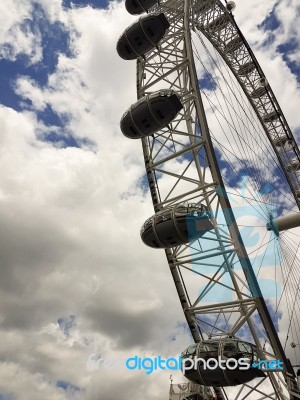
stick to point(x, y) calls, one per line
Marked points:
point(16, 37)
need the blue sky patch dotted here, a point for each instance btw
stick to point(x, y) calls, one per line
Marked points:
point(207, 82)
point(143, 184)
point(286, 50)
point(5, 396)
point(63, 141)
point(51, 118)
point(10, 71)
point(66, 324)
point(58, 132)
point(183, 326)
point(271, 22)
point(67, 386)
point(83, 3)
point(55, 40)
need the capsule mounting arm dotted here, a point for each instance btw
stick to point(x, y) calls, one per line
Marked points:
point(283, 223)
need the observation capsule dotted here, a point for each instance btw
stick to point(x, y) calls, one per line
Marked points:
point(142, 36)
point(135, 7)
point(219, 362)
point(294, 165)
point(263, 81)
point(176, 225)
point(230, 6)
point(218, 24)
point(233, 45)
point(284, 142)
point(150, 113)
point(246, 68)
point(259, 92)
point(201, 6)
point(271, 117)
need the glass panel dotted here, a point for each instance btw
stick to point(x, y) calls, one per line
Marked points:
point(255, 354)
point(147, 223)
point(192, 349)
point(245, 347)
point(230, 346)
point(209, 346)
point(165, 216)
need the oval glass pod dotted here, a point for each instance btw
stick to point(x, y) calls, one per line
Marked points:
point(150, 113)
point(246, 69)
point(271, 117)
point(263, 81)
point(225, 356)
point(233, 45)
point(218, 24)
point(259, 92)
point(176, 225)
point(230, 6)
point(135, 7)
point(201, 6)
point(142, 36)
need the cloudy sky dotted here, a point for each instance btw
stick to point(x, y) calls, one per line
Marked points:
point(76, 279)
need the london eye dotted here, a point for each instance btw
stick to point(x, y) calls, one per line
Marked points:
point(223, 169)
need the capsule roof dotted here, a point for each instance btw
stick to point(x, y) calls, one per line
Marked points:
point(142, 36)
point(136, 7)
point(151, 113)
point(246, 68)
point(259, 92)
point(233, 45)
point(176, 225)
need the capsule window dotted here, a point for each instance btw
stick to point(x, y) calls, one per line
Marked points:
point(192, 349)
point(146, 123)
point(245, 347)
point(158, 100)
point(209, 346)
point(128, 49)
point(159, 219)
point(143, 5)
point(133, 131)
point(150, 32)
point(160, 114)
point(138, 41)
point(230, 346)
point(255, 355)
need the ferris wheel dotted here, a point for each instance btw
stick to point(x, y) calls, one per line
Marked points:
point(223, 170)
